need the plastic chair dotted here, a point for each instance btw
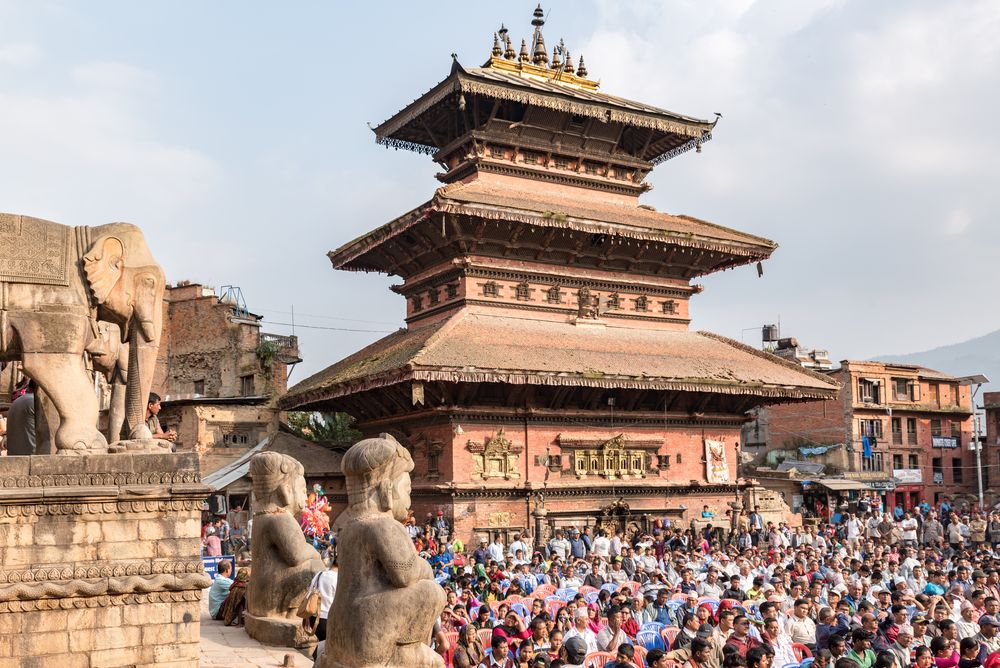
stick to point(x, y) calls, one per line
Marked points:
point(485, 636)
point(552, 607)
point(586, 590)
point(522, 611)
point(656, 627)
point(640, 656)
point(545, 590)
point(790, 665)
point(800, 651)
point(597, 659)
point(669, 634)
point(610, 587)
point(449, 656)
point(650, 640)
point(679, 597)
point(566, 594)
point(806, 662)
point(591, 597)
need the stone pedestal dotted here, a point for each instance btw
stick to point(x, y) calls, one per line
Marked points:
point(99, 560)
point(280, 632)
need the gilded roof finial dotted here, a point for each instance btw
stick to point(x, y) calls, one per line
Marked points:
point(539, 55)
point(509, 52)
point(497, 51)
point(556, 58)
point(581, 71)
point(523, 56)
point(568, 67)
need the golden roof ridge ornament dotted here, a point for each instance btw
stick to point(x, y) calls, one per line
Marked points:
point(532, 60)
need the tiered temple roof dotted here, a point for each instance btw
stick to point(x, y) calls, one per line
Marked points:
point(537, 266)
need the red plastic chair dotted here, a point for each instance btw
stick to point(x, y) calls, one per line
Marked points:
point(669, 633)
point(597, 659)
point(449, 656)
point(640, 656)
point(485, 636)
point(800, 651)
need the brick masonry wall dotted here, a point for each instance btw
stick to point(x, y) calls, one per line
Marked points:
point(99, 560)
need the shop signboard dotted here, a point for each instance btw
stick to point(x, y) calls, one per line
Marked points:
point(908, 476)
point(949, 442)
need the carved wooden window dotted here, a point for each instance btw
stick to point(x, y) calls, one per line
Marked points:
point(522, 292)
point(452, 290)
point(669, 306)
point(432, 296)
point(664, 461)
point(591, 167)
point(491, 289)
point(532, 158)
point(614, 301)
point(247, 386)
point(562, 163)
point(199, 387)
point(679, 458)
point(554, 295)
point(497, 152)
point(642, 303)
point(417, 302)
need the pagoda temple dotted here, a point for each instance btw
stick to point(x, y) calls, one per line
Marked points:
point(547, 377)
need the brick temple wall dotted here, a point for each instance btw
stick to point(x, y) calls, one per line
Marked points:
point(99, 560)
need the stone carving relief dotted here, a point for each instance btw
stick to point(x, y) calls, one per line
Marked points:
point(496, 457)
point(612, 459)
point(387, 600)
point(588, 305)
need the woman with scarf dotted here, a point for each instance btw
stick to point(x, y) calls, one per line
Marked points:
point(234, 606)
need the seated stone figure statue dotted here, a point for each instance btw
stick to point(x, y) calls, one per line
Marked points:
point(283, 562)
point(387, 600)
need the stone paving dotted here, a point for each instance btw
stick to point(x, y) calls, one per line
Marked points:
point(231, 647)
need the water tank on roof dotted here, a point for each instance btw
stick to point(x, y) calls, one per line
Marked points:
point(769, 333)
point(789, 342)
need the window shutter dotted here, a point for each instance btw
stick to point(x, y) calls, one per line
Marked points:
point(915, 391)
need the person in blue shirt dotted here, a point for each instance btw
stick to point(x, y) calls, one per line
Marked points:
point(577, 547)
point(661, 611)
point(220, 588)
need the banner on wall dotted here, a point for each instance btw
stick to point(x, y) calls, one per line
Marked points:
point(715, 462)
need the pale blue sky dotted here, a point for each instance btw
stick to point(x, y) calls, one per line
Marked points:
point(858, 135)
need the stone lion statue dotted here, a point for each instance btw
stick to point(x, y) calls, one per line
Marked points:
point(387, 600)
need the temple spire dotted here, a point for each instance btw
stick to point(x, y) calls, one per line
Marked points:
point(497, 51)
point(523, 56)
point(556, 58)
point(568, 67)
point(509, 54)
point(581, 71)
point(539, 55)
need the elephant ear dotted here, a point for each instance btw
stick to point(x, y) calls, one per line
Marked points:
point(104, 265)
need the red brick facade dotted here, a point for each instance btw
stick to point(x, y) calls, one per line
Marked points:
point(921, 421)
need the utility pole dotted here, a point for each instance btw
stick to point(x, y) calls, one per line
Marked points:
point(978, 380)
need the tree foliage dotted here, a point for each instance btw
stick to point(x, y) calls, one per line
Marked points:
point(327, 427)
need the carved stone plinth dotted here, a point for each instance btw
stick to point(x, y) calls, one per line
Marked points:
point(99, 560)
point(280, 632)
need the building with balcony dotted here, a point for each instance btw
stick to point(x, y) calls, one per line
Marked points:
point(901, 431)
point(217, 373)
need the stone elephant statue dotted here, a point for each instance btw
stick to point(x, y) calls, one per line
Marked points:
point(57, 284)
point(110, 358)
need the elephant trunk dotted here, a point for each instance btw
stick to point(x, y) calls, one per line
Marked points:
point(137, 389)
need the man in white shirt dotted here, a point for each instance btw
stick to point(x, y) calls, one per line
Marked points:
point(602, 546)
point(559, 546)
point(799, 627)
point(496, 550)
point(518, 544)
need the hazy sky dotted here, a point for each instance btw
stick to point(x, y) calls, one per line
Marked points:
point(860, 136)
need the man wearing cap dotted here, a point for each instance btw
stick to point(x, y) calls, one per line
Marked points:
point(900, 649)
point(920, 633)
point(573, 652)
point(582, 630)
point(989, 641)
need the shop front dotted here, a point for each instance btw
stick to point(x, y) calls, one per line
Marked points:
point(828, 498)
point(909, 489)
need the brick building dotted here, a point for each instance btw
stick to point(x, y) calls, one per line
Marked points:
point(217, 373)
point(917, 424)
point(547, 376)
point(990, 432)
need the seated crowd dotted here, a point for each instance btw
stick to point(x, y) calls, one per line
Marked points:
point(873, 591)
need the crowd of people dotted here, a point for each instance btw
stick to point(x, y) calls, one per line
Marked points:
point(866, 589)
